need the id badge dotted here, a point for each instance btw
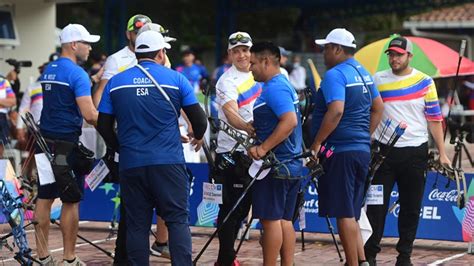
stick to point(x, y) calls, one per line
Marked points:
point(375, 195)
point(212, 193)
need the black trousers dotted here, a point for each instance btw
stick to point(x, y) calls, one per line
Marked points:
point(121, 257)
point(407, 167)
point(235, 179)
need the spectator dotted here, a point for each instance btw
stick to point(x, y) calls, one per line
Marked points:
point(226, 64)
point(192, 71)
point(283, 60)
point(298, 74)
point(32, 101)
point(7, 100)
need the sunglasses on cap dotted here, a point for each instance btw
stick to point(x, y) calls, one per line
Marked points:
point(138, 22)
point(239, 39)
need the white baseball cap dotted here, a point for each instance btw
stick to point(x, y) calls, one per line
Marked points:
point(239, 38)
point(76, 33)
point(158, 28)
point(338, 36)
point(150, 41)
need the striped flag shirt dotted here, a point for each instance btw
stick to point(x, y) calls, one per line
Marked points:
point(411, 98)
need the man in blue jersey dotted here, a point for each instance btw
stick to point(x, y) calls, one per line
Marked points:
point(152, 170)
point(66, 102)
point(347, 110)
point(192, 71)
point(278, 128)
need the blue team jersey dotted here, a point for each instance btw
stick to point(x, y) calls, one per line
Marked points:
point(62, 82)
point(193, 73)
point(279, 97)
point(344, 83)
point(147, 125)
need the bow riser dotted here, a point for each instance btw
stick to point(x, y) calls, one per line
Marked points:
point(12, 209)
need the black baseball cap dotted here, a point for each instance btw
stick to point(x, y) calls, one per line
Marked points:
point(400, 45)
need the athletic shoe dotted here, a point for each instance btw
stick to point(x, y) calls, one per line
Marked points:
point(160, 250)
point(48, 261)
point(371, 261)
point(75, 262)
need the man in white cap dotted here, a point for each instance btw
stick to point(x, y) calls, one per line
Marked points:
point(66, 102)
point(116, 63)
point(236, 91)
point(348, 109)
point(152, 169)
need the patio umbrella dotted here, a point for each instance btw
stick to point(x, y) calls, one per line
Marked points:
point(430, 57)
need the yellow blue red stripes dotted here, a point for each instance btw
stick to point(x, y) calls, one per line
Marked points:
point(36, 95)
point(248, 91)
point(397, 91)
point(417, 86)
point(5, 85)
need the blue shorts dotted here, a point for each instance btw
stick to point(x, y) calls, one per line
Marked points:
point(274, 198)
point(341, 188)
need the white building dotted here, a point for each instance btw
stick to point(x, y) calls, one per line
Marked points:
point(34, 24)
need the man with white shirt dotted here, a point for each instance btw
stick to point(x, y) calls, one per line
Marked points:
point(236, 91)
point(409, 95)
point(7, 100)
point(124, 58)
point(32, 101)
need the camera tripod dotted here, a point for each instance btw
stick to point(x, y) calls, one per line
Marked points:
point(459, 146)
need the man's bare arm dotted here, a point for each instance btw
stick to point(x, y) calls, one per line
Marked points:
point(88, 110)
point(98, 93)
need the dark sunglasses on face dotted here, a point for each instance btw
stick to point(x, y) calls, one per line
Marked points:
point(239, 39)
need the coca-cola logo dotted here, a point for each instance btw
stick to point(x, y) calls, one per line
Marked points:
point(437, 195)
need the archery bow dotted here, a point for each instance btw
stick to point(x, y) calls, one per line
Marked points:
point(12, 208)
point(452, 174)
point(205, 145)
point(241, 139)
point(378, 155)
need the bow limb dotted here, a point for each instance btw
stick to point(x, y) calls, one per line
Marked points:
point(314, 74)
point(12, 209)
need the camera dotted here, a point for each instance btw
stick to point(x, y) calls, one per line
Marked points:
point(456, 128)
point(18, 64)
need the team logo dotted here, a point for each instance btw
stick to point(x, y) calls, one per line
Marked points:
point(466, 215)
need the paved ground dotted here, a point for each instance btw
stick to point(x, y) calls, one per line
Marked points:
point(319, 250)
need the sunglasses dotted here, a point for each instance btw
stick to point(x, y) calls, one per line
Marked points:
point(239, 39)
point(138, 24)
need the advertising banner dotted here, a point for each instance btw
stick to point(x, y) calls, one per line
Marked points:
point(440, 218)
